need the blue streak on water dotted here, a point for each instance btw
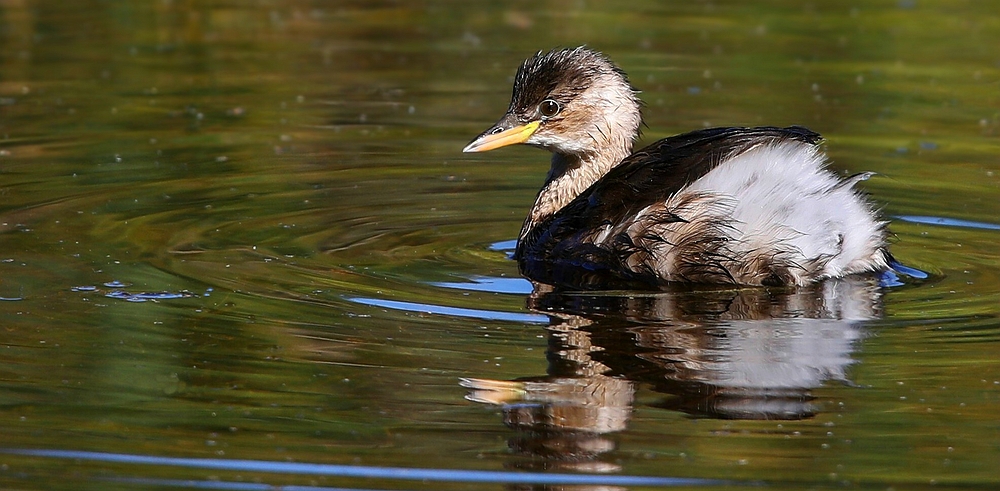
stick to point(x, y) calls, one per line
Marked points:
point(454, 311)
point(908, 271)
point(491, 284)
point(889, 279)
point(401, 473)
point(119, 294)
point(948, 222)
point(142, 297)
point(504, 245)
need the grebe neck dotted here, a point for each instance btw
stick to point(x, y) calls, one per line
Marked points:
point(569, 176)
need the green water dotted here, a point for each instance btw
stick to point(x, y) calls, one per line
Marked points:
point(285, 179)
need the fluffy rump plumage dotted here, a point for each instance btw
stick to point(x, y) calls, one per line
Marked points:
point(770, 215)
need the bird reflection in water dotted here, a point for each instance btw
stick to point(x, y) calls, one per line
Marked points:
point(718, 353)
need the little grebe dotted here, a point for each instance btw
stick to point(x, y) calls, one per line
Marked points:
point(746, 206)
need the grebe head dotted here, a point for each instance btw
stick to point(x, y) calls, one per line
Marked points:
point(572, 102)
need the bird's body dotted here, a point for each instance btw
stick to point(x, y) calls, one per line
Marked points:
point(747, 206)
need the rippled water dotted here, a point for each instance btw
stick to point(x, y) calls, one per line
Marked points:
point(239, 246)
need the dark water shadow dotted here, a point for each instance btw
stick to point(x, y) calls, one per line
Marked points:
point(731, 354)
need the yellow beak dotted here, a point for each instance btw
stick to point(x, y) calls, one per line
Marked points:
point(497, 137)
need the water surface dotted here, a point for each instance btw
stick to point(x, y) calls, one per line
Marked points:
point(240, 236)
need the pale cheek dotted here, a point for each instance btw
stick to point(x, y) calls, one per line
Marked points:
point(562, 144)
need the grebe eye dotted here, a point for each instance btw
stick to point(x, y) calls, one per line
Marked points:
point(548, 108)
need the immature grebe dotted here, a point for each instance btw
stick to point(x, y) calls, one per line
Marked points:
point(747, 206)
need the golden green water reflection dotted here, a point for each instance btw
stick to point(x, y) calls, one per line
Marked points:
point(293, 171)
